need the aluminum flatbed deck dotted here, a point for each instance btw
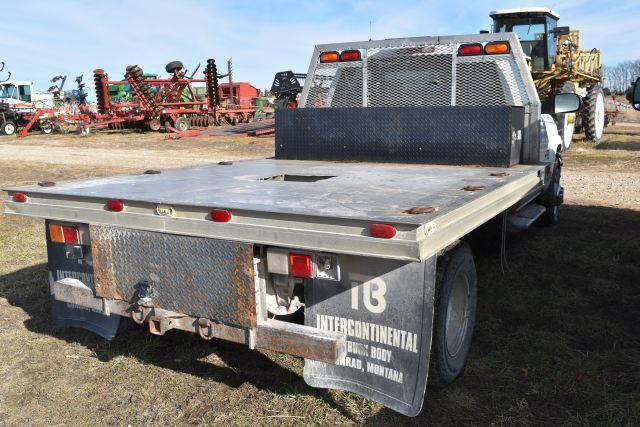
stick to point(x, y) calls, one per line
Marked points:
point(309, 204)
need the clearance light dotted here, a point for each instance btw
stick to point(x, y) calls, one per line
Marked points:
point(64, 234)
point(329, 57)
point(470, 49)
point(221, 215)
point(350, 55)
point(19, 197)
point(300, 265)
point(497, 48)
point(383, 231)
point(114, 205)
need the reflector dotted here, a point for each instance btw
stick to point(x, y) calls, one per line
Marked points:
point(470, 49)
point(350, 55)
point(55, 233)
point(115, 205)
point(71, 235)
point(329, 56)
point(300, 265)
point(383, 231)
point(221, 215)
point(19, 197)
point(496, 48)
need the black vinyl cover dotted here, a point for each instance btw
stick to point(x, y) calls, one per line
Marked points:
point(450, 135)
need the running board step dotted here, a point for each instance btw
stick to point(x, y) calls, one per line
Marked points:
point(524, 218)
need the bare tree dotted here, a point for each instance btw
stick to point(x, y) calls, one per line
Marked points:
point(620, 76)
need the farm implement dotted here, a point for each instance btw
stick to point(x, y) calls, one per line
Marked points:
point(176, 103)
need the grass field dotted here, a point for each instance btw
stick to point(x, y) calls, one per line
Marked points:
point(557, 339)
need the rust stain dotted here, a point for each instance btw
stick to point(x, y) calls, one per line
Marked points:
point(420, 210)
point(473, 188)
point(243, 282)
point(103, 266)
point(292, 344)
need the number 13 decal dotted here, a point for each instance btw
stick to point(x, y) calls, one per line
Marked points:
point(373, 291)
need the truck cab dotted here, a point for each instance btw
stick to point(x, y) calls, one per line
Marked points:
point(16, 92)
point(535, 27)
point(19, 96)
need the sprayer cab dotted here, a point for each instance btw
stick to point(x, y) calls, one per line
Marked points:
point(537, 28)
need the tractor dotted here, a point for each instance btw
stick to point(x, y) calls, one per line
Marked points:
point(558, 65)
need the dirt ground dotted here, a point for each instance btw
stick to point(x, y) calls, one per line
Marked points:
point(557, 339)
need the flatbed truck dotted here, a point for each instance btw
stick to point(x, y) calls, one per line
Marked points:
point(399, 149)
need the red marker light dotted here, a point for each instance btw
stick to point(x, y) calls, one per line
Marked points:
point(350, 55)
point(383, 231)
point(115, 205)
point(300, 265)
point(470, 49)
point(221, 215)
point(19, 197)
point(71, 235)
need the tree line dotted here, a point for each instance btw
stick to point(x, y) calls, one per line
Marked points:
point(619, 77)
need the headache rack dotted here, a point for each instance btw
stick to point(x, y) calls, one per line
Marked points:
point(427, 72)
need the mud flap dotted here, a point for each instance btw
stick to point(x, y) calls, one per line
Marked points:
point(385, 308)
point(66, 314)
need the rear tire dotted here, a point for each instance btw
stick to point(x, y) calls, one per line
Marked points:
point(594, 114)
point(455, 314)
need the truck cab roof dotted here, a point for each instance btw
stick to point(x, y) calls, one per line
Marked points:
point(16, 83)
point(525, 11)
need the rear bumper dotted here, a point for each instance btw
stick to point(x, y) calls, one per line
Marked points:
point(284, 337)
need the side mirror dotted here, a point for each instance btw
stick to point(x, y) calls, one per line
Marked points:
point(635, 101)
point(566, 103)
point(561, 31)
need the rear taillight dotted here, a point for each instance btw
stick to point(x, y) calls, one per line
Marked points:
point(470, 49)
point(319, 266)
point(68, 234)
point(71, 235)
point(55, 233)
point(383, 231)
point(19, 197)
point(114, 205)
point(300, 265)
point(221, 215)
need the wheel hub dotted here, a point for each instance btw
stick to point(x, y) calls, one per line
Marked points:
point(599, 115)
point(457, 315)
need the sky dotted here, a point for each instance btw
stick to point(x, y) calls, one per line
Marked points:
point(41, 39)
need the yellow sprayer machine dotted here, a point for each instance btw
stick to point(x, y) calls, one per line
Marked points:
point(558, 65)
